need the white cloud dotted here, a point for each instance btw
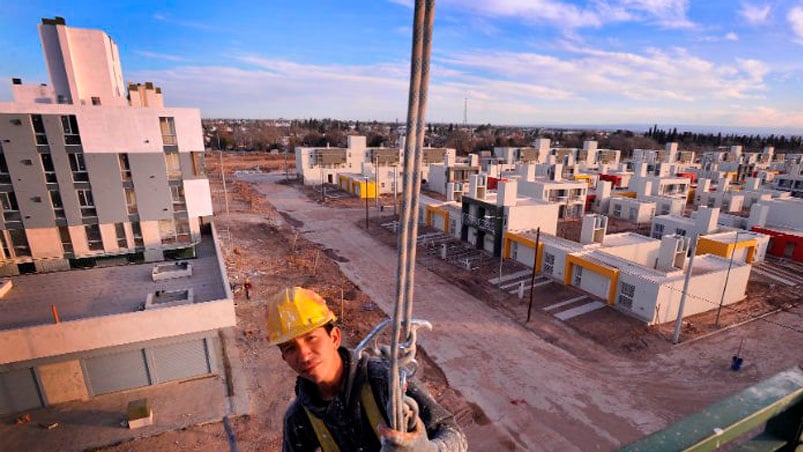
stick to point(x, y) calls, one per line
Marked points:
point(569, 16)
point(731, 36)
point(159, 56)
point(755, 14)
point(795, 17)
point(667, 13)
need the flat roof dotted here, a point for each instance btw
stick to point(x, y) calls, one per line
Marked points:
point(625, 238)
point(95, 292)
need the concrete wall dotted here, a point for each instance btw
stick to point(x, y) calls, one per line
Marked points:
point(108, 331)
point(528, 217)
point(149, 174)
point(199, 197)
point(107, 187)
point(646, 292)
point(706, 290)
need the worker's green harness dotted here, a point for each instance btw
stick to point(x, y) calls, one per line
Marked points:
point(371, 410)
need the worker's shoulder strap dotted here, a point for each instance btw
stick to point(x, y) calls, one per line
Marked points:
point(371, 409)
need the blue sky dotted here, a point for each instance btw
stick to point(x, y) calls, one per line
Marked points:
point(672, 62)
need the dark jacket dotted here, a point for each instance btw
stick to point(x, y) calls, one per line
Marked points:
point(346, 419)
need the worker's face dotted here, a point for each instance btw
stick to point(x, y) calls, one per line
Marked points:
point(314, 355)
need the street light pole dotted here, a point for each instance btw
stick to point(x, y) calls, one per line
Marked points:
point(727, 276)
point(223, 175)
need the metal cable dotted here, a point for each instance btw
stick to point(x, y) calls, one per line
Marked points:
point(396, 406)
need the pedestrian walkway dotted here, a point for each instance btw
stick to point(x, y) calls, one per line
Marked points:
point(778, 273)
point(580, 310)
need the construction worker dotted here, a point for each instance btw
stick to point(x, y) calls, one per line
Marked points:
point(340, 399)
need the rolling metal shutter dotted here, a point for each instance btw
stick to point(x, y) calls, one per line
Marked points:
point(116, 372)
point(179, 361)
point(19, 391)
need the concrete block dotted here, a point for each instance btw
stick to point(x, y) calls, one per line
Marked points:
point(139, 413)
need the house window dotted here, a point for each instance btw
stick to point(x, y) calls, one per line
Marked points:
point(633, 214)
point(578, 275)
point(167, 231)
point(49, 169)
point(627, 293)
point(93, 238)
point(168, 128)
point(183, 229)
point(95, 100)
point(78, 167)
point(549, 263)
point(39, 129)
point(680, 232)
point(131, 201)
point(617, 210)
point(198, 167)
point(657, 230)
point(173, 165)
point(125, 167)
point(70, 125)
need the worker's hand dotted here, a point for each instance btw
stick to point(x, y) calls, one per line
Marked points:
point(413, 441)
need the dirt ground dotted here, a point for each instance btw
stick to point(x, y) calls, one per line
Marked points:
point(266, 246)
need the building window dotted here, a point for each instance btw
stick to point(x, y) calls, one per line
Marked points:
point(78, 167)
point(173, 165)
point(183, 229)
point(58, 206)
point(627, 293)
point(9, 202)
point(19, 242)
point(125, 167)
point(86, 202)
point(93, 238)
point(136, 232)
point(680, 232)
point(122, 240)
point(39, 129)
point(617, 210)
point(70, 125)
point(66, 243)
point(198, 166)
point(131, 201)
point(168, 128)
point(167, 231)
point(633, 214)
point(179, 202)
point(95, 100)
point(48, 168)
point(549, 263)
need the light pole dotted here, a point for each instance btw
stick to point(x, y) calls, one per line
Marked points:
point(223, 175)
point(727, 276)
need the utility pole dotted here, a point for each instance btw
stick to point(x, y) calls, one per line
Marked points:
point(684, 294)
point(727, 276)
point(501, 254)
point(366, 202)
point(532, 279)
point(376, 181)
point(323, 190)
point(223, 176)
point(395, 200)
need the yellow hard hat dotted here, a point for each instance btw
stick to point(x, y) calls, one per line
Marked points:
point(295, 311)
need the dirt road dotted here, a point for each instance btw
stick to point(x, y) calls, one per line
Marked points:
point(542, 396)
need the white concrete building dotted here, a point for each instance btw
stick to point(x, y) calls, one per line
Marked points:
point(90, 180)
point(701, 222)
point(640, 276)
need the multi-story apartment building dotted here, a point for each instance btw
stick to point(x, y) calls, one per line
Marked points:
point(101, 176)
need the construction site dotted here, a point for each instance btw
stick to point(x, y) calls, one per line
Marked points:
point(588, 383)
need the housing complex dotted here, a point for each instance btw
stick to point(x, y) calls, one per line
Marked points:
point(727, 207)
